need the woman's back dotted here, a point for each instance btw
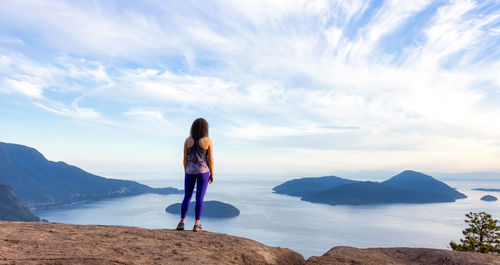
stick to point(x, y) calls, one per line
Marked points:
point(204, 142)
point(197, 155)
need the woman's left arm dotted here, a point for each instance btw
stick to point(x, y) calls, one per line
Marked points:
point(211, 161)
point(185, 160)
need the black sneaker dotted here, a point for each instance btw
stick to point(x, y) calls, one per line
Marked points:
point(197, 228)
point(180, 227)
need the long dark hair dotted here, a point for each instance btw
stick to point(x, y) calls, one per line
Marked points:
point(199, 129)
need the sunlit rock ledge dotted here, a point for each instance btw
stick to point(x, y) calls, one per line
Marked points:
point(53, 243)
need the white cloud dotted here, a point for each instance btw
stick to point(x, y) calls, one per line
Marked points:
point(147, 115)
point(258, 131)
point(84, 69)
point(11, 41)
point(24, 86)
point(164, 86)
point(391, 16)
point(16, 66)
point(453, 30)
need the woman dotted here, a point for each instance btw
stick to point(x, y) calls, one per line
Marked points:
point(198, 168)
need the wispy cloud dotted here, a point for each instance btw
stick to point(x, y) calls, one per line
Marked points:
point(73, 112)
point(147, 115)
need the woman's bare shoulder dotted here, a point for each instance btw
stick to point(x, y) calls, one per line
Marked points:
point(205, 142)
point(189, 142)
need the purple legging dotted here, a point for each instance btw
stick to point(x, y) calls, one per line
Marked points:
point(201, 188)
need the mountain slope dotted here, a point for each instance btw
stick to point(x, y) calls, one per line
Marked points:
point(308, 186)
point(418, 181)
point(38, 182)
point(11, 208)
point(367, 192)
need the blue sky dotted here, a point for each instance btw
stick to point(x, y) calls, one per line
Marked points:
point(287, 86)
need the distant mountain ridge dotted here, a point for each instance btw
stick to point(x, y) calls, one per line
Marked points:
point(12, 209)
point(487, 189)
point(407, 187)
point(38, 182)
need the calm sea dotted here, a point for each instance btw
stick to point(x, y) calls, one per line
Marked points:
point(279, 220)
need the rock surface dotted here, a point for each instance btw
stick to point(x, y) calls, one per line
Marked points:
point(51, 243)
point(401, 256)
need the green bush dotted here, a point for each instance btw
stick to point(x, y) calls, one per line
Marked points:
point(482, 235)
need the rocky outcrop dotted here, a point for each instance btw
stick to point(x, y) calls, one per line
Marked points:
point(51, 243)
point(401, 256)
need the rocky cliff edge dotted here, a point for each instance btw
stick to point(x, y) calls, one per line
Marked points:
point(53, 243)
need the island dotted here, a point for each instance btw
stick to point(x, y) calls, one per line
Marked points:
point(489, 198)
point(487, 189)
point(407, 187)
point(368, 192)
point(40, 183)
point(12, 209)
point(213, 209)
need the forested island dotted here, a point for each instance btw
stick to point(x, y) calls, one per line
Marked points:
point(214, 209)
point(407, 187)
point(489, 198)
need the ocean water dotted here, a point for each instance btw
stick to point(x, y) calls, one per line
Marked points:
point(284, 221)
